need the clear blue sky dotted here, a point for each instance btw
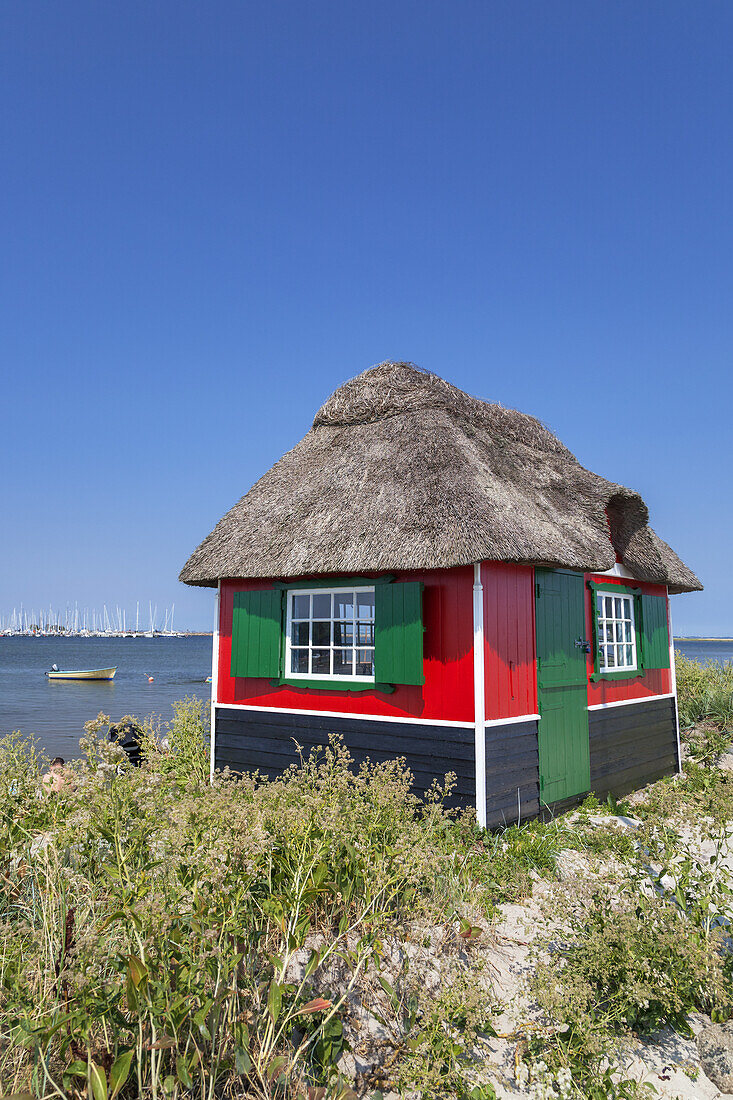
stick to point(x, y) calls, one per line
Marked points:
point(213, 214)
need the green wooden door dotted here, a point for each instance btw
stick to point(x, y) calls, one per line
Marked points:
point(562, 685)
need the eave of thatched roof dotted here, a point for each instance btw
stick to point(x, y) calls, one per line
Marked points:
point(401, 470)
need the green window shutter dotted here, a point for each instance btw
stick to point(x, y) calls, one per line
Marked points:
point(257, 633)
point(654, 633)
point(398, 633)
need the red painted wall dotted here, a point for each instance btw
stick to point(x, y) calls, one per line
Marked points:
point(446, 695)
point(652, 682)
point(510, 668)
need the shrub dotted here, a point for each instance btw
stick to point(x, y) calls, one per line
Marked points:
point(705, 692)
point(641, 964)
point(629, 963)
point(180, 749)
point(163, 935)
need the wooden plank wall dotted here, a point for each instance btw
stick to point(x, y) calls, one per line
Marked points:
point(446, 695)
point(250, 740)
point(632, 745)
point(512, 774)
point(509, 640)
point(247, 740)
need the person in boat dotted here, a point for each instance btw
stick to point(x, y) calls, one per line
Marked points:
point(54, 668)
point(53, 780)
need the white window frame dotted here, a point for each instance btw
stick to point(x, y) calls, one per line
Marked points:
point(337, 678)
point(603, 620)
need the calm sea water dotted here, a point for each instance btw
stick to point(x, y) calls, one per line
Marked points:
point(710, 650)
point(56, 711)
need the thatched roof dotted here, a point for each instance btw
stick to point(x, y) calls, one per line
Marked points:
point(401, 470)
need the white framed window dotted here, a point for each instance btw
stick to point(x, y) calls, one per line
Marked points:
point(616, 633)
point(329, 634)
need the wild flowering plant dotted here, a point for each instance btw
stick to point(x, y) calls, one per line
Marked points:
point(705, 692)
point(162, 935)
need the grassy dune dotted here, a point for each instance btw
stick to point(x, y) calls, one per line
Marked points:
point(328, 935)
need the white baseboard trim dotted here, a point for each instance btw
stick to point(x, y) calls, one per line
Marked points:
point(513, 721)
point(402, 719)
point(628, 702)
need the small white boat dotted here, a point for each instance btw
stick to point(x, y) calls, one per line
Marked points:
point(83, 674)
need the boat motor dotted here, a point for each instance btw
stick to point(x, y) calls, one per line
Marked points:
point(128, 736)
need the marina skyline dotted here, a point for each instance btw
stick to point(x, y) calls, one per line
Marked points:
point(74, 621)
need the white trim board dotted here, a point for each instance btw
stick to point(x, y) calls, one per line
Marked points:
point(628, 702)
point(617, 571)
point(340, 714)
point(214, 680)
point(479, 697)
point(386, 717)
point(673, 671)
point(513, 721)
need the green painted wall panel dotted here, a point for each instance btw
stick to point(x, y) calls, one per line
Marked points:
point(562, 685)
point(654, 632)
point(398, 633)
point(257, 633)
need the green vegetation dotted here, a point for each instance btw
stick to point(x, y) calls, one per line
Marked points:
point(164, 937)
point(705, 692)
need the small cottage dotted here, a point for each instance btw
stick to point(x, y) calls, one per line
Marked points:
point(436, 577)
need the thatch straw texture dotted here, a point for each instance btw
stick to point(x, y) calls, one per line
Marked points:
point(401, 470)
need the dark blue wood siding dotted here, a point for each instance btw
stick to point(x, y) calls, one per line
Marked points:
point(247, 740)
point(512, 774)
point(632, 745)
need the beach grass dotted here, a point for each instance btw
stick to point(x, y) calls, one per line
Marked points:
point(705, 692)
point(164, 936)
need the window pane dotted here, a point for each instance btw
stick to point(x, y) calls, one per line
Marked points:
point(321, 661)
point(322, 606)
point(629, 656)
point(324, 634)
point(365, 662)
point(299, 660)
point(609, 607)
point(610, 657)
point(343, 605)
point(343, 662)
point(301, 607)
point(365, 605)
point(343, 633)
point(619, 608)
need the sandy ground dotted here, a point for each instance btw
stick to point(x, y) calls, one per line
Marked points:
point(669, 1062)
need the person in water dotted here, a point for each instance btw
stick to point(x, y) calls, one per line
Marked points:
point(53, 780)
